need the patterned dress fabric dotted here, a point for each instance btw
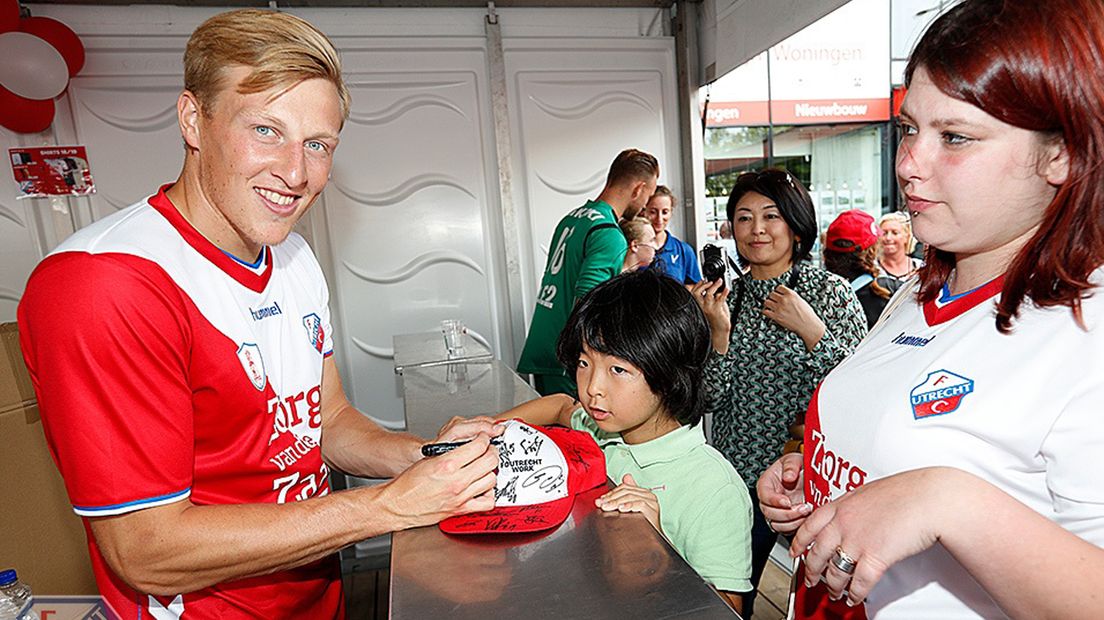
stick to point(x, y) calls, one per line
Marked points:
point(764, 382)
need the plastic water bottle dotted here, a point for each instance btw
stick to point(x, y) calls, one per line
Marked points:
point(15, 598)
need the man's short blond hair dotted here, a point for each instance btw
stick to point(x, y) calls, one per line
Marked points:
point(281, 49)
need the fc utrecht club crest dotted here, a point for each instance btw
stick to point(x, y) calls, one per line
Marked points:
point(942, 392)
point(315, 333)
point(250, 356)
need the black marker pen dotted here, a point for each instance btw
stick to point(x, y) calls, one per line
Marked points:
point(437, 449)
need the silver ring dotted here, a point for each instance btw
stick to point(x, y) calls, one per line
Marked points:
point(843, 561)
point(770, 525)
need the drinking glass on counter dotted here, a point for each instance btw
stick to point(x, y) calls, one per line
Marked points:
point(454, 336)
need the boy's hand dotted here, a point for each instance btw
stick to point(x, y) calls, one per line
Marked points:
point(628, 497)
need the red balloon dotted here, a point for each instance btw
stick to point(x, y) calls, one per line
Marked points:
point(24, 115)
point(60, 36)
point(9, 15)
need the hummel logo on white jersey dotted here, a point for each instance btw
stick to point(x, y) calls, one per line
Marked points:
point(264, 313)
point(912, 341)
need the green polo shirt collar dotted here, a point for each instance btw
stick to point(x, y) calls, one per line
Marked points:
point(670, 447)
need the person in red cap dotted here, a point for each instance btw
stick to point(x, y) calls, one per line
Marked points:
point(850, 251)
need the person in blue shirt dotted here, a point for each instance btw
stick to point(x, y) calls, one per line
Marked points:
point(676, 257)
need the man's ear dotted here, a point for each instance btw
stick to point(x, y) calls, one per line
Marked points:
point(1056, 164)
point(188, 111)
point(638, 189)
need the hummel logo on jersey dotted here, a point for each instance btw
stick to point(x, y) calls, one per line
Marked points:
point(912, 341)
point(942, 392)
point(267, 311)
point(250, 356)
point(314, 331)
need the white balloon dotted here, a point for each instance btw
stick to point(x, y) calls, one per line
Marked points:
point(31, 67)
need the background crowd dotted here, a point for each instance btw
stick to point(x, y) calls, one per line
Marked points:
point(917, 427)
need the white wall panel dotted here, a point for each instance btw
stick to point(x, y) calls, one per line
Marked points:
point(20, 246)
point(408, 206)
point(128, 124)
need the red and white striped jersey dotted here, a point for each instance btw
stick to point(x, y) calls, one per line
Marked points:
point(167, 369)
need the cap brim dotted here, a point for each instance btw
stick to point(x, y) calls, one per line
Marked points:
point(511, 519)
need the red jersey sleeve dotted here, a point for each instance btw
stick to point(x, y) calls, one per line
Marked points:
point(106, 341)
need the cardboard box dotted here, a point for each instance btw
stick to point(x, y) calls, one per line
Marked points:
point(40, 536)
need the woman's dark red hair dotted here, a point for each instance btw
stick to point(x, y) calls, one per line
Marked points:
point(1037, 66)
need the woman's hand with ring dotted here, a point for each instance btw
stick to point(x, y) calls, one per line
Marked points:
point(871, 528)
point(837, 575)
point(843, 561)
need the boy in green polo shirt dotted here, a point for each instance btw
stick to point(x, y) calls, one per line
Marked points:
point(637, 345)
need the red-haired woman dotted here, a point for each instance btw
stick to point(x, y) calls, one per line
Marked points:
point(954, 459)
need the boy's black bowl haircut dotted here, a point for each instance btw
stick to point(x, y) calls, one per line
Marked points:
point(652, 322)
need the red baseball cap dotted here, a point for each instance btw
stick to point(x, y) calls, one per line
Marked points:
point(540, 471)
point(851, 231)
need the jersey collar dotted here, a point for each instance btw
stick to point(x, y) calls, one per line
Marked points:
point(669, 447)
point(237, 270)
point(945, 307)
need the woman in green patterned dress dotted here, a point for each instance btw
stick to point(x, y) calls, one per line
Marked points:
point(785, 324)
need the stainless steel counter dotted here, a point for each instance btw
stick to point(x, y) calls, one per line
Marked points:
point(594, 565)
point(428, 349)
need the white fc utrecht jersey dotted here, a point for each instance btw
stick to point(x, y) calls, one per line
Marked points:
point(937, 385)
point(168, 370)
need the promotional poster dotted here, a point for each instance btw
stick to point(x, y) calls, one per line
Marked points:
point(51, 171)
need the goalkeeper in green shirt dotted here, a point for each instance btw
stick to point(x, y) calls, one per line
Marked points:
point(587, 249)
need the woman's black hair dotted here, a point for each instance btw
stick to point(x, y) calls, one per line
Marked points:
point(792, 200)
point(850, 265)
point(652, 322)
